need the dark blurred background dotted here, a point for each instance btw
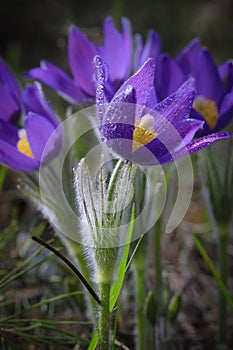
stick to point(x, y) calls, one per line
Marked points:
point(31, 30)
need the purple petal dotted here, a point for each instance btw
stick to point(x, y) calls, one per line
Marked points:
point(152, 48)
point(138, 51)
point(169, 77)
point(8, 106)
point(226, 111)
point(81, 53)
point(208, 82)
point(226, 72)
point(58, 80)
point(10, 82)
point(205, 141)
point(142, 82)
point(128, 45)
point(10, 156)
point(8, 133)
point(178, 105)
point(194, 146)
point(35, 101)
point(122, 109)
point(187, 128)
point(39, 130)
point(101, 78)
point(223, 69)
point(187, 58)
point(227, 103)
point(117, 50)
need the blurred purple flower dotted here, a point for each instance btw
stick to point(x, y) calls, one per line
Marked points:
point(214, 101)
point(138, 128)
point(117, 53)
point(22, 148)
point(10, 95)
point(151, 49)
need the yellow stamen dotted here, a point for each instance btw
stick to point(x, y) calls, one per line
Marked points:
point(208, 109)
point(143, 133)
point(23, 144)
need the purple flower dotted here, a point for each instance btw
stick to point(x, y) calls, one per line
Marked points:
point(117, 53)
point(22, 148)
point(214, 101)
point(143, 131)
point(10, 95)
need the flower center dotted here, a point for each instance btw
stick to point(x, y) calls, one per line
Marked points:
point(143, 132)
point(208, 109)
point(23, 144)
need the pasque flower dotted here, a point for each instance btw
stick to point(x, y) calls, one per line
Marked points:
point(214, 101)
point(143, 131)
point(116, 50)
point(10, 95)
point(22, 148)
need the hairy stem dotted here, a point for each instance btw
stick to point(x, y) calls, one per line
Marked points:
point(104, 317)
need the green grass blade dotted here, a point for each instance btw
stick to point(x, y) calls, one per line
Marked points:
point(116, 287)
point(94, 341)
point(208, 261)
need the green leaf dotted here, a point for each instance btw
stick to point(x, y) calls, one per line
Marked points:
point(150, 308)
point(94, 341)
point(174, 307)
point(116, 287)
point(218, 279)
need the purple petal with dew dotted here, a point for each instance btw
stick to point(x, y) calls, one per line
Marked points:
point(206, 141)
point(153, 99)
point(178, 105)
point(35, 101)
point(142, 82)
point(58, 80)
point(8, 106)
point(10, 156)
point(188, 56)
point(169, 77)
point(81, 53)
point(10, 82)
point(194, 146)
point(187, 129)
point(101, 78)
point(208, 82)
point(8, 133)
point(39, 130)
point(116, 54)
point(122, 109)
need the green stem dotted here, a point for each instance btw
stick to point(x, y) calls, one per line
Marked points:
point(223, 271)
point(104, 316)
point(140, 302)
point(158, 265)
point(158, 278)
